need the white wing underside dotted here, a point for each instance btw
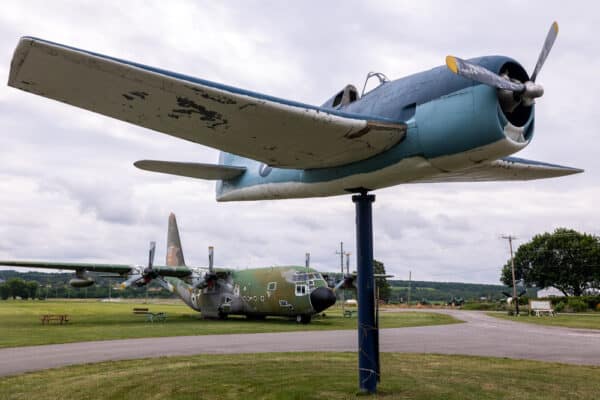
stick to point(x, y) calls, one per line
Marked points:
point(277, 132)
point(506, 169)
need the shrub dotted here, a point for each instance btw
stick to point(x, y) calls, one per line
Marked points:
point(560, 306)
point(598, 307)
point(577, 305)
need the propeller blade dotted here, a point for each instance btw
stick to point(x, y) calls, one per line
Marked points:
point(550, 38)
point(151, 254)
point(522, 293)
point(482, 75)
point(210, 259)
point(507, 294)
point(133, 279)
point(339, 285)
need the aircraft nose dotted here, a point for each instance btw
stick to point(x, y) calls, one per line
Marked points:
point(322, 298)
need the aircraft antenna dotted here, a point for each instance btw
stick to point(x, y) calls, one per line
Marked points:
point(307, 261)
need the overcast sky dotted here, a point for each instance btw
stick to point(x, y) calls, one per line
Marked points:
point(69, 191)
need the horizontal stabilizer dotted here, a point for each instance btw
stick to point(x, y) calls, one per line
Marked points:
point(505, 169)
point(192, 170)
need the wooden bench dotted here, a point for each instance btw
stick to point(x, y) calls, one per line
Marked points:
point(59, 318)
point(140, 311)
point(539, 307)
point(349, 313)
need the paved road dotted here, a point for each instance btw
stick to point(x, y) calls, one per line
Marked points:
point(480, 335)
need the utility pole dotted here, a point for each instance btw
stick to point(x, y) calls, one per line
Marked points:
point(341, 253)
point(510, 238)
point(409, 287)
point(348, 263)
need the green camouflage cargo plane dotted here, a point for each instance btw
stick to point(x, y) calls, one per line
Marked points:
point(294, 292)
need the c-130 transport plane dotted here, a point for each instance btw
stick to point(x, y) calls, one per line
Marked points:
point(292, 292)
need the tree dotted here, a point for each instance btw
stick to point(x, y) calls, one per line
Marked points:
point(18, 288)
point(4, 291)
point(32, 288)
point(381, 282)
point(565, 259)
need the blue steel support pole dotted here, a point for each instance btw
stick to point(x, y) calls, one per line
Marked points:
point(368, 351)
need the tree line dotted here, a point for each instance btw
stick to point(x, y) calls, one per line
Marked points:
point(17, 287)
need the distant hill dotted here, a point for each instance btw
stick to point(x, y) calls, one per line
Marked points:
point(444, 291)
point(56, 285)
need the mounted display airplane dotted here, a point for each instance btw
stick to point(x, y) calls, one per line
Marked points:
point(293, 292)
point(454, 123)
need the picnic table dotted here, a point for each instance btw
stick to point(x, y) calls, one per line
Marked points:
point(59, 318)
point(150, 316)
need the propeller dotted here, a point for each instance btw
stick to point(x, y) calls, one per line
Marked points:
point(348, 281)
point(511, 91)
point(210, 277)
point(142, 277)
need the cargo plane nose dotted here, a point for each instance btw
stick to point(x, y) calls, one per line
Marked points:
point(322, 298)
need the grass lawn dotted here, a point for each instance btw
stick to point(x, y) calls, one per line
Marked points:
point(587, 321)
point(307, 376)
point(91, 320)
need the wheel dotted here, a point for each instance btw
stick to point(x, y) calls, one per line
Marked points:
point(222, 315)
point(303, 319)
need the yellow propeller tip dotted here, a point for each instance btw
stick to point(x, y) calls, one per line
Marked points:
point(555, 26)
point(451, 63)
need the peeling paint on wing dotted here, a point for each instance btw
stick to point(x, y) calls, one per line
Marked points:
point(215, 98)
point(191, 107)
point(141, 95)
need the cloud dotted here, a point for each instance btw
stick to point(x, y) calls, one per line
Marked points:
point(69, 190)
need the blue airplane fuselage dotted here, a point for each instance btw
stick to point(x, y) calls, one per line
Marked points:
point(453, 124)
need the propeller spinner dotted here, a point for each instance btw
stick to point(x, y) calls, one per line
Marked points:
point(511, 92)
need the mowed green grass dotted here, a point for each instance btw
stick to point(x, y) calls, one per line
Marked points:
point(20, 322)
point(307, 376)
point(586, 321)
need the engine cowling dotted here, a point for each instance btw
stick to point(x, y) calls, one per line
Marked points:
point(81, 282)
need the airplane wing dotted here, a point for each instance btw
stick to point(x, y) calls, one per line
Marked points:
point(278, 132)
point(120, 269)
point(505, 169)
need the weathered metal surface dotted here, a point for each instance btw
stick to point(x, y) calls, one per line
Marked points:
point(233, 120)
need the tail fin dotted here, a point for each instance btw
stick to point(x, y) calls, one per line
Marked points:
point(174, 251)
